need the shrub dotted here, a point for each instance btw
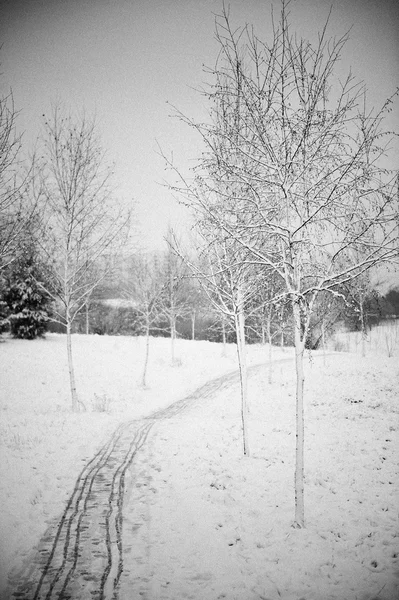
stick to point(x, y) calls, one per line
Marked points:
point(27, 303)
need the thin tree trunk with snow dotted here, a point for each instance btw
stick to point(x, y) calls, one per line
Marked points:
point(224, 336)
point(147, 351)
point(172, 338)
point(269, 337)
point(193, 325)
point(363, 327)
point(74, 395)
point(263, 334)
point(87, 318)
point(172, 319)
point(242, 362)
point(299, 452)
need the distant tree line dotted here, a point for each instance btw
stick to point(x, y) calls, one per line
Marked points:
point(112, 311)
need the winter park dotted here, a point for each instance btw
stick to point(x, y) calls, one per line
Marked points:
point(199, 300)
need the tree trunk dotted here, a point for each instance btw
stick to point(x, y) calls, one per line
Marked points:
point(224, 336)
point(363, 328)
point(193, 325)
point(74, 395)
point(147, 351)
point(299, 453)
point(323, 340)
point(269, 337)
point(242, 364)
point(87, 318)
point(263, 334)
point(172, 337)
point(172, 318)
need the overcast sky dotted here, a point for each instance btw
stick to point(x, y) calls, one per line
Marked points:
point(124, 60)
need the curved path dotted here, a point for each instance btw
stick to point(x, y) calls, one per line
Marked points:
point(81, 557)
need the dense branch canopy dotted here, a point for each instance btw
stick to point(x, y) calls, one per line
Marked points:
point(294, 168)
point(82, 222)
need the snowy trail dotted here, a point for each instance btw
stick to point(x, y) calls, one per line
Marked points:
point(82, 555)
point(84, 550)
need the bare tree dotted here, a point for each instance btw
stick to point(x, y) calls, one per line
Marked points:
point(197, 303)
point(221, 327)
point(327, 311)
point(358, 294)
point(174, 299)
point(295, 172)
point(82, 223)
point(144, 289)
point(265, 312)
point(230, 285)
point(15, 211)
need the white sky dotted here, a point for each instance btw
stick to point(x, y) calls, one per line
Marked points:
point(125, 59)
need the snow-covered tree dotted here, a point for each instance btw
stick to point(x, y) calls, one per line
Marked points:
point(82, 221)
point(16, 210)
point(173, 302)
point(266, 310)
point(230, 284)
point(144, 289)
point(27, 302)
point(294, 170)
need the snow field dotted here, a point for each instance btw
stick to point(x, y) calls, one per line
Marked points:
point(201, 520)
point(43, 445)
point(204, 522)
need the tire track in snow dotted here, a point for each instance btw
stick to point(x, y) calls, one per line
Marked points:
point(82, 556)
point(92, 517)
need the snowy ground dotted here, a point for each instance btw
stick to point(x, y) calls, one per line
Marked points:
point(383, 339)
point(207, 522)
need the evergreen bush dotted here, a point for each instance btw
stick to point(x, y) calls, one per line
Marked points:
point(27, 303)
